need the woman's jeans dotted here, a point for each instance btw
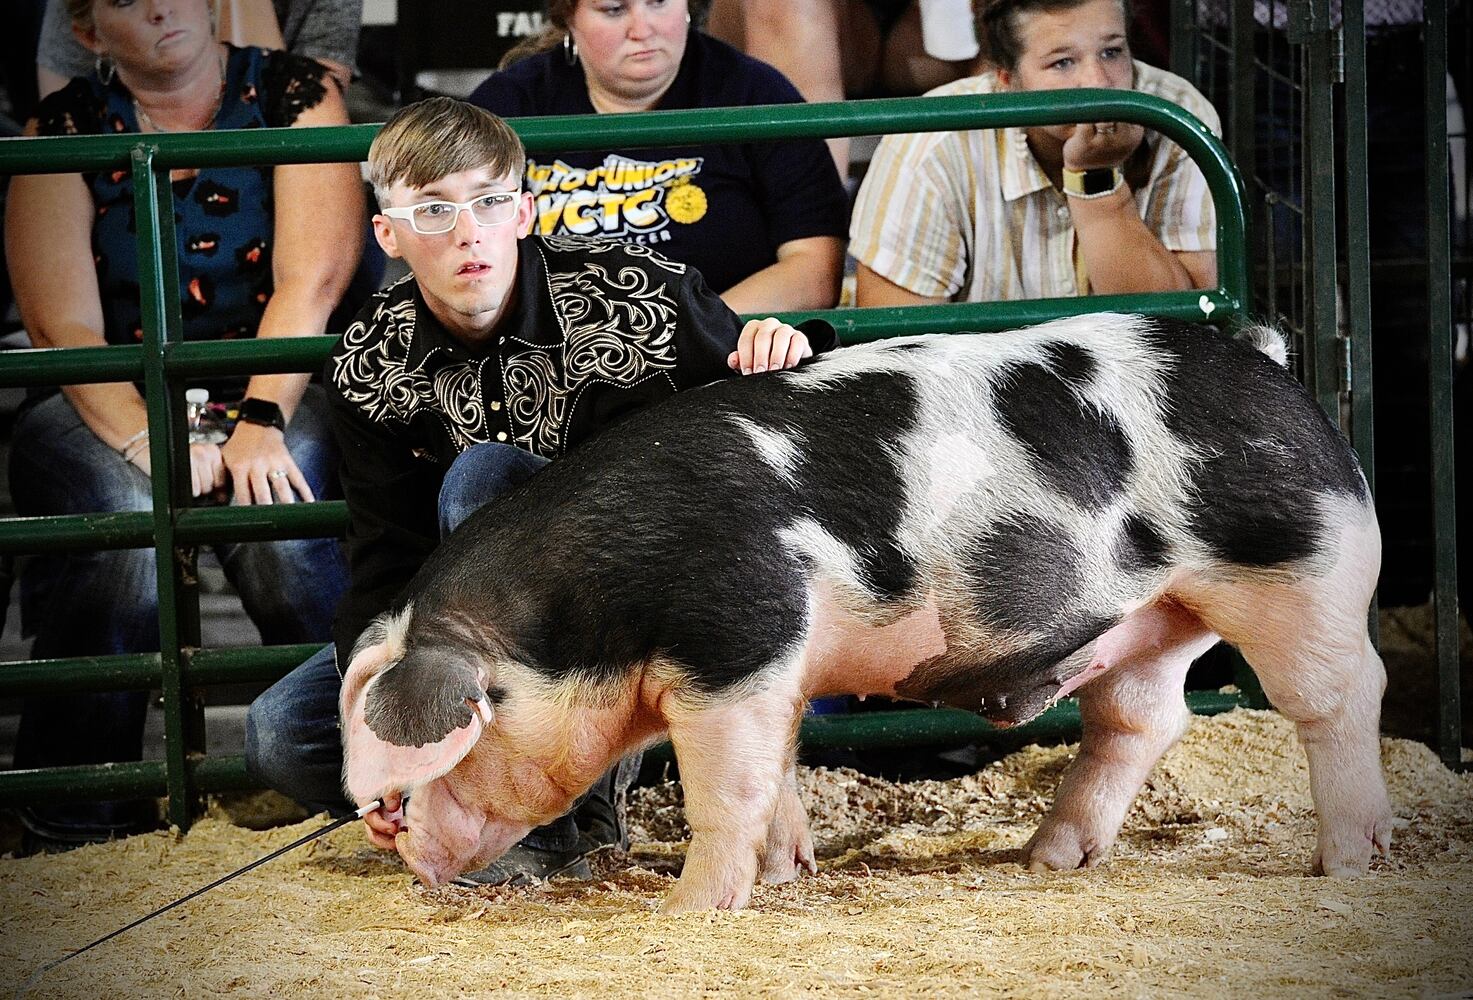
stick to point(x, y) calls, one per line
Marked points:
point(292, 739)
point(93, 603)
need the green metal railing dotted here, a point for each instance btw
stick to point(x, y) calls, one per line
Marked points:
point(164, 362)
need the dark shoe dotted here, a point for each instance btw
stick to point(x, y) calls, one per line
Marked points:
point(56, 827)
point(524, 865)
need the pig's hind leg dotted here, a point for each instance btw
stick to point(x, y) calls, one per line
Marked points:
point(1308, 642)
point(1132, 712)
point(735, 760)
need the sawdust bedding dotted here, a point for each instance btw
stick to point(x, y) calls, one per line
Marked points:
point(919, 893)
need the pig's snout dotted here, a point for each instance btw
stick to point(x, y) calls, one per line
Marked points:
point(430, 866)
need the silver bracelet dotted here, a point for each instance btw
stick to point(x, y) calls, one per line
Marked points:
point(123, 448)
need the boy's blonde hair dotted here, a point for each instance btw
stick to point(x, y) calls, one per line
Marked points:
point(434, 138)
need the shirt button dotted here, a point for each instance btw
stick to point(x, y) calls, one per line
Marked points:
point(1063, 211)
point(495, 404)
point(501, 435)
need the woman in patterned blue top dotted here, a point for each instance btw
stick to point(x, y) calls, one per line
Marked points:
point(262, 251)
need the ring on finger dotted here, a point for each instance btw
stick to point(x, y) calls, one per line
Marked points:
point(276, 474)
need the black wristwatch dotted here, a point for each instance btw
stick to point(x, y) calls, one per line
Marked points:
point(263, 412)
point(1094, 183)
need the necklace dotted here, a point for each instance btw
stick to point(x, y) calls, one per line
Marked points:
point(148, 123)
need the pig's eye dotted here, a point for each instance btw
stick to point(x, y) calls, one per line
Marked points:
point(495, 695)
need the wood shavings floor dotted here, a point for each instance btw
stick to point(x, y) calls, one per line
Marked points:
point(919, 894)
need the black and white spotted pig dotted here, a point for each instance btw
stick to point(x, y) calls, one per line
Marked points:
point(991, 521)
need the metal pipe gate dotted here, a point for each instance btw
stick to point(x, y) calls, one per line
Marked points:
point(163, 361)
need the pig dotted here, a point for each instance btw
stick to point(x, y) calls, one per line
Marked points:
point(991, 522)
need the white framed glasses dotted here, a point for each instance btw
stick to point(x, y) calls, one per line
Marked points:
point(431, 218)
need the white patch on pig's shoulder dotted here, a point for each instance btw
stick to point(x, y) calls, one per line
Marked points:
point(957, 464)
point(778, 449)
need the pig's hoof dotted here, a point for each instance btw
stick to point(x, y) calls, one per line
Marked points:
point(785, 865)
point(1349, 855)
point(1058, 847)
point(682, 901)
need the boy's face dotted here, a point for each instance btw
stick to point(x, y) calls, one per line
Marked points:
point(467, 274)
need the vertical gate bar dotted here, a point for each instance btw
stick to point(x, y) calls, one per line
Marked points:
point(1358, 238)
point(158, 282)
point(1318, 105)
point(1242, 131)
point(1183, 38)
point(1358, 255)
point(1440, 386)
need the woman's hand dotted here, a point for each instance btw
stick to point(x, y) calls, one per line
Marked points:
point(768, 344)
point(1101, 145)
point(206, 468)
point(261, 468)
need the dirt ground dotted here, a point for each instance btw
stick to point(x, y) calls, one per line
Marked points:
point(919, 894)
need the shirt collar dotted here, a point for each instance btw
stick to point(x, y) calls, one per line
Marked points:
point(531, 319)
point(1021, 174)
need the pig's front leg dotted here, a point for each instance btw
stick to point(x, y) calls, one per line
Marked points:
point(733, 764)
point(789, 846)
point(1132, 714)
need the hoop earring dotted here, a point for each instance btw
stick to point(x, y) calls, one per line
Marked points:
point(570, 50)
point(106, 69)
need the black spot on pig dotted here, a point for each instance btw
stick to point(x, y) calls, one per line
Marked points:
point(1268, 451)
point(1026, 575)
point(1140, 545)
point(1074, 364)
point(1080, 451)
point(849, 482)
point(854, 490)
point(422, 698)
point(1022, 572)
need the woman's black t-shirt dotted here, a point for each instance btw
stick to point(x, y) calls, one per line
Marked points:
point(723, 209)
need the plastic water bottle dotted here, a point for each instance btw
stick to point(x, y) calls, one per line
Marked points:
point(203, 428)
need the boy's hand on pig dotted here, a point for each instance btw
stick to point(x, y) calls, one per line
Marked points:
point(768, 345)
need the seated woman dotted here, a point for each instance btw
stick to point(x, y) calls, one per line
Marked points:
point(1055, 210)
point(262, 251)
point(763, 222)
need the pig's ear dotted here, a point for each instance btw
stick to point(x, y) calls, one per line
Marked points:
point(408, 721)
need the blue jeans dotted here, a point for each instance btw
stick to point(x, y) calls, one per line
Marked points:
point(293, 742)
point(90, 603)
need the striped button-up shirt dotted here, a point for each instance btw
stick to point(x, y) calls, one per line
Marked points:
point(971, 216)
